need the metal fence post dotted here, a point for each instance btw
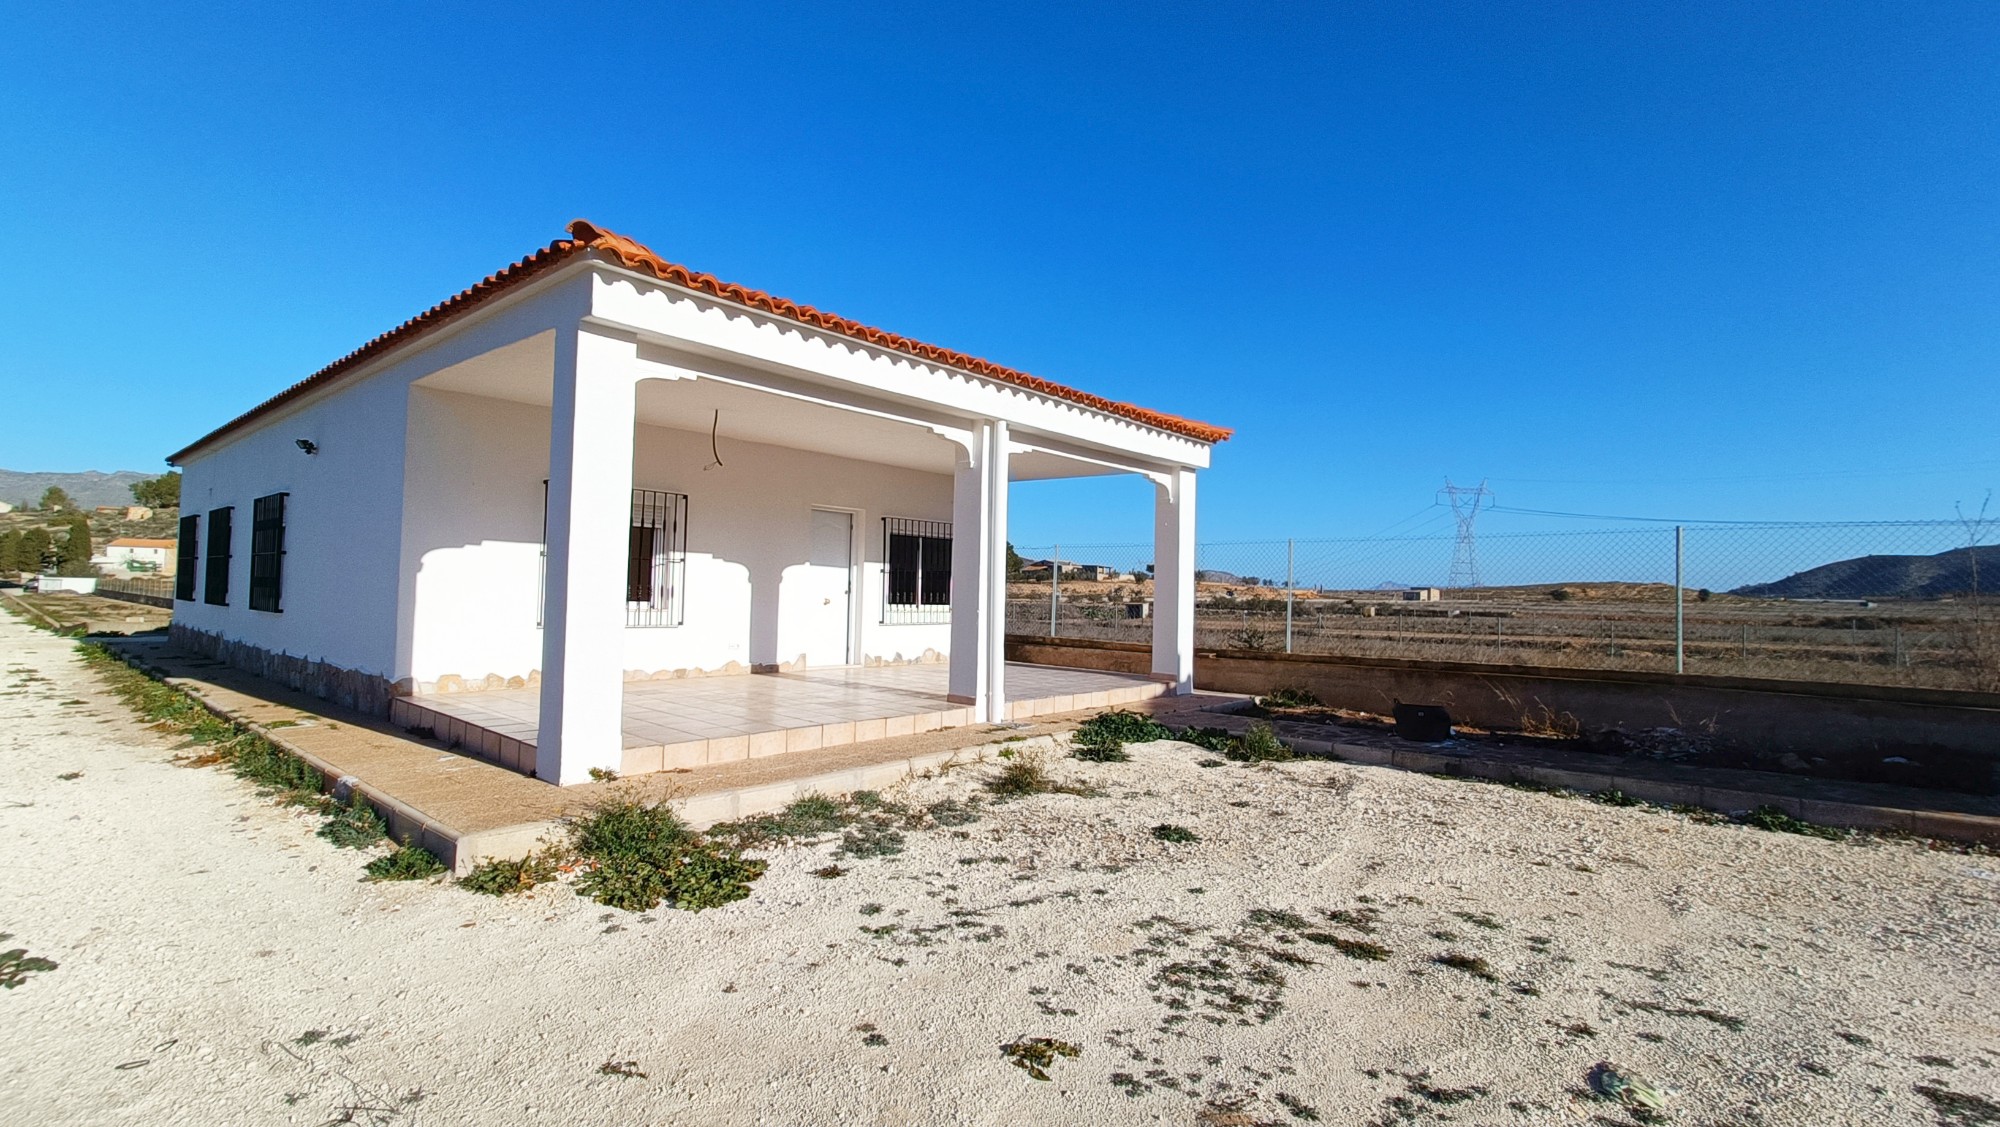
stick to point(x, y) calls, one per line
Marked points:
point(1680, 602)
point(1055, 584)
point(1288, 595)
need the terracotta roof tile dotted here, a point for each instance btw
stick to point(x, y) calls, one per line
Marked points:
point(586, 238)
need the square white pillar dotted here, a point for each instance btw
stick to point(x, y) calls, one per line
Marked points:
point(994, 544)
point(589, 515)
point(979, 575)
point(1173, 581)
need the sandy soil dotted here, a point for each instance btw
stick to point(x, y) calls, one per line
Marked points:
point(218, 964)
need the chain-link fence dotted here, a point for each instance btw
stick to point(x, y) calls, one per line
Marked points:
point(1907, 602)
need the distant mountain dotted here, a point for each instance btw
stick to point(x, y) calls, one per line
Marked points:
point(88, 489)
point(1888, 577)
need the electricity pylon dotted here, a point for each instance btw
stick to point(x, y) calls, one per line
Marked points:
point(1465, 505)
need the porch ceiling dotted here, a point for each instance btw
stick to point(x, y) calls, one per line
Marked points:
point(521, 373)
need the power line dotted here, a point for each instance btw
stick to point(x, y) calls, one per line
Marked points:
point(1691, 520)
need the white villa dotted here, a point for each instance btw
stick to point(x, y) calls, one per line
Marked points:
point(135, 554)
point(531, 516)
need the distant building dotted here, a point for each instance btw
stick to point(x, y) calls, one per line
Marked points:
point(1422, 595)
point(127, 512)
point(6, 507)
point(131, 555)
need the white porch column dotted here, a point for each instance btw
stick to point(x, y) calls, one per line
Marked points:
point(979, 575)
point(590, 498)
point(994, 545)
point(1173, 581)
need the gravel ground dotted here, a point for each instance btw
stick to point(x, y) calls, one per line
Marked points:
point(219, 964)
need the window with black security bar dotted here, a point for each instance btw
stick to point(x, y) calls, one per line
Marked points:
point(918, 576)
point(267, 553)
point(215, 579)
point(187, 558)
point(656, 559)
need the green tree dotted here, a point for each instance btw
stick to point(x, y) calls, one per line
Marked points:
point(34, 551)
point(10, 551)
point(73, 555)
point(162, 492)
point(1013, 563)
point(54, 497)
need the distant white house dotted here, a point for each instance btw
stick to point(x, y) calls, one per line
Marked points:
point(596, 465)
point(6, 506)
point(132, 555)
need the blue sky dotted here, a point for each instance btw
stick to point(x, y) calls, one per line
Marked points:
point(1709, 261)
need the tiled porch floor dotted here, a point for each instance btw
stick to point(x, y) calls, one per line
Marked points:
point(700, 721)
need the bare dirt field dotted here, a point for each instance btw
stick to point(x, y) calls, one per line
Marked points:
point(1338, 944)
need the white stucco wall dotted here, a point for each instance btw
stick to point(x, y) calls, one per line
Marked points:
point(343, 523)
point(472, 543)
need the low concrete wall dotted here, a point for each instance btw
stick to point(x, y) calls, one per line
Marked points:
point(1952, 738)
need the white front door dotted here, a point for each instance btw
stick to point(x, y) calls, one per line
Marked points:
point(829, 588)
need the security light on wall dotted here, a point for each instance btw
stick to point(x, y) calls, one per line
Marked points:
point(308, 445)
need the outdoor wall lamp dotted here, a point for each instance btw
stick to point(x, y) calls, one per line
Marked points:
point(308, 445)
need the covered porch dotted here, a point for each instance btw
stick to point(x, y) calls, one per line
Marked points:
point(651, 523)
point(685, 723)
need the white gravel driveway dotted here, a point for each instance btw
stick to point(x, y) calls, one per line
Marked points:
point(219, 964)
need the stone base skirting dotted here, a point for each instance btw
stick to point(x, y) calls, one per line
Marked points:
point(349, 688)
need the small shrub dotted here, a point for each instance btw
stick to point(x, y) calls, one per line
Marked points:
point(709, 877)
point(1470, 964)
point(951, 812)
point(1178, 835)
point(1561, 594)
point(812, 815)
point(872, 838)
point(1102, 738)
point(16, 964)
point(1774, 819)
point(639, 856)
point(274, 769)
point(1024, 774)
point(408, 862)
point(1208, 739)
point(603, 775)
point(354, 824)
point(502, 878)
point(1101, 753)
point(1033, 1055)
point(1289, 697)
point(1353, 948)
point(1259, 745)
point(1612, 796)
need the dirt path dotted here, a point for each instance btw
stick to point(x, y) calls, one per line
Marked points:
point(218, 964)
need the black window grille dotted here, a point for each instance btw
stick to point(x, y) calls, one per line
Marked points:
point(187, 558)
point(267, 553)
point(215, 578)
point(656, 559)
point(917, 580)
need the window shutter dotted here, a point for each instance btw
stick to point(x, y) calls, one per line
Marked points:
point(215, 580)
point(267, 553)
point(187, 558)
